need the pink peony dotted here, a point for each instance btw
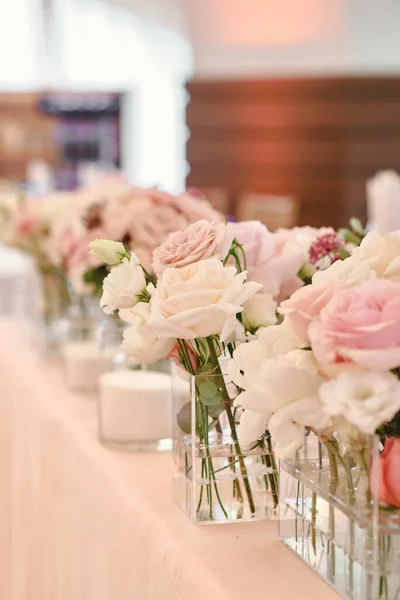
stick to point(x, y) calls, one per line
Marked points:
point(360, 326)
point(389, 474)
point(306, 304)
point(166, 214)
point(203, 239)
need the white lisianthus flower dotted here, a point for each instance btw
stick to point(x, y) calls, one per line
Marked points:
point(199, 300)
point(351, 270)
point(122, 285)
point(259, 311)
point(381, 252)
point(278, 380)
point(287, 425)
point(140, 342)
point(366, 399)
point(112, 253)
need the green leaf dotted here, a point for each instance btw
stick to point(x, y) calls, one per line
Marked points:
point(357, 227)
point(215, 411)
point(184, 418)
point(96, 277)
point(352, 238)
point(214, 401)
point(343, 253)
point(208, 389)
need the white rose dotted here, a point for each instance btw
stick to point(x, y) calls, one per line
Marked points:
point(108, 251)
point(352, 270)
point(366, 399)
point(140, 342)
point(259, 311)
point(199, 300)
point(122, 286)
point(381, 252)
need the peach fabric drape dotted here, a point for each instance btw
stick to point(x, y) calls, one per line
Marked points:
point(80, 522)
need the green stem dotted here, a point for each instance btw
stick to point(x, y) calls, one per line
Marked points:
point(314, 521)
point(211, 474)
point(231, 420)
point(273, 477)
point(332, 460)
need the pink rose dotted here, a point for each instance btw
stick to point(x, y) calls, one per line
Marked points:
point(196, 208)
point(360, 325)
point(166, 214)
point(306, 304)
point(200, 240)
point(175, 356)
point(257, 241)
point(266, 261)
point(389, 474)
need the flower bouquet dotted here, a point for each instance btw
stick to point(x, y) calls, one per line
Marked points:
point(327, 380)
point(32, 225)
point(195, 309)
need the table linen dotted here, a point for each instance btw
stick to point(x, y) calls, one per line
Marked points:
point(81, 522)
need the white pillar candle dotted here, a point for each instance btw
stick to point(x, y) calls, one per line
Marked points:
point(83, 364)
point(135, 406)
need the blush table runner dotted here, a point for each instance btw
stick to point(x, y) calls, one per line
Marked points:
point(81, 522)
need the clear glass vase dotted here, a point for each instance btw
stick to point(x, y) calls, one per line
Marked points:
point(54, 305)
point(333, 521)
point(215, 479)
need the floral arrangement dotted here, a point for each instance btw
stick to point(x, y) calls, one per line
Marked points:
point(208, 289)
point(332, 365)
point(140, 218)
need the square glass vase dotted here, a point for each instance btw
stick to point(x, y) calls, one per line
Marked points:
point(337, 526)
point(215, 479)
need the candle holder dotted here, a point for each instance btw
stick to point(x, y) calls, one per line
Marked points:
point(84, 359)
point(134, 409)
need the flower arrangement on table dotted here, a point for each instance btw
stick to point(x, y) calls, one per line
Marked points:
point(332, 367)
point(140, 218)
point(32, 225)
point(209, 288)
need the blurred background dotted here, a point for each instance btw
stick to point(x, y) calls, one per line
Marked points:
point(276, 110)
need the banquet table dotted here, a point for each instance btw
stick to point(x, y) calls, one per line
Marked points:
point(81, 522)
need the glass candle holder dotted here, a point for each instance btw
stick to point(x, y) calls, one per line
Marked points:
point(134, 405)
point(83, 357)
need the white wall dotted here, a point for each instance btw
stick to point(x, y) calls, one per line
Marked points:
point(261, 38)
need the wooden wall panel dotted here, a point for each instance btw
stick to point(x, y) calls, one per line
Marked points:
point(316, 139)
point(25, 134)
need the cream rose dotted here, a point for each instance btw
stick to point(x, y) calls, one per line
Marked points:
point(199, 241)
point(199, 300)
